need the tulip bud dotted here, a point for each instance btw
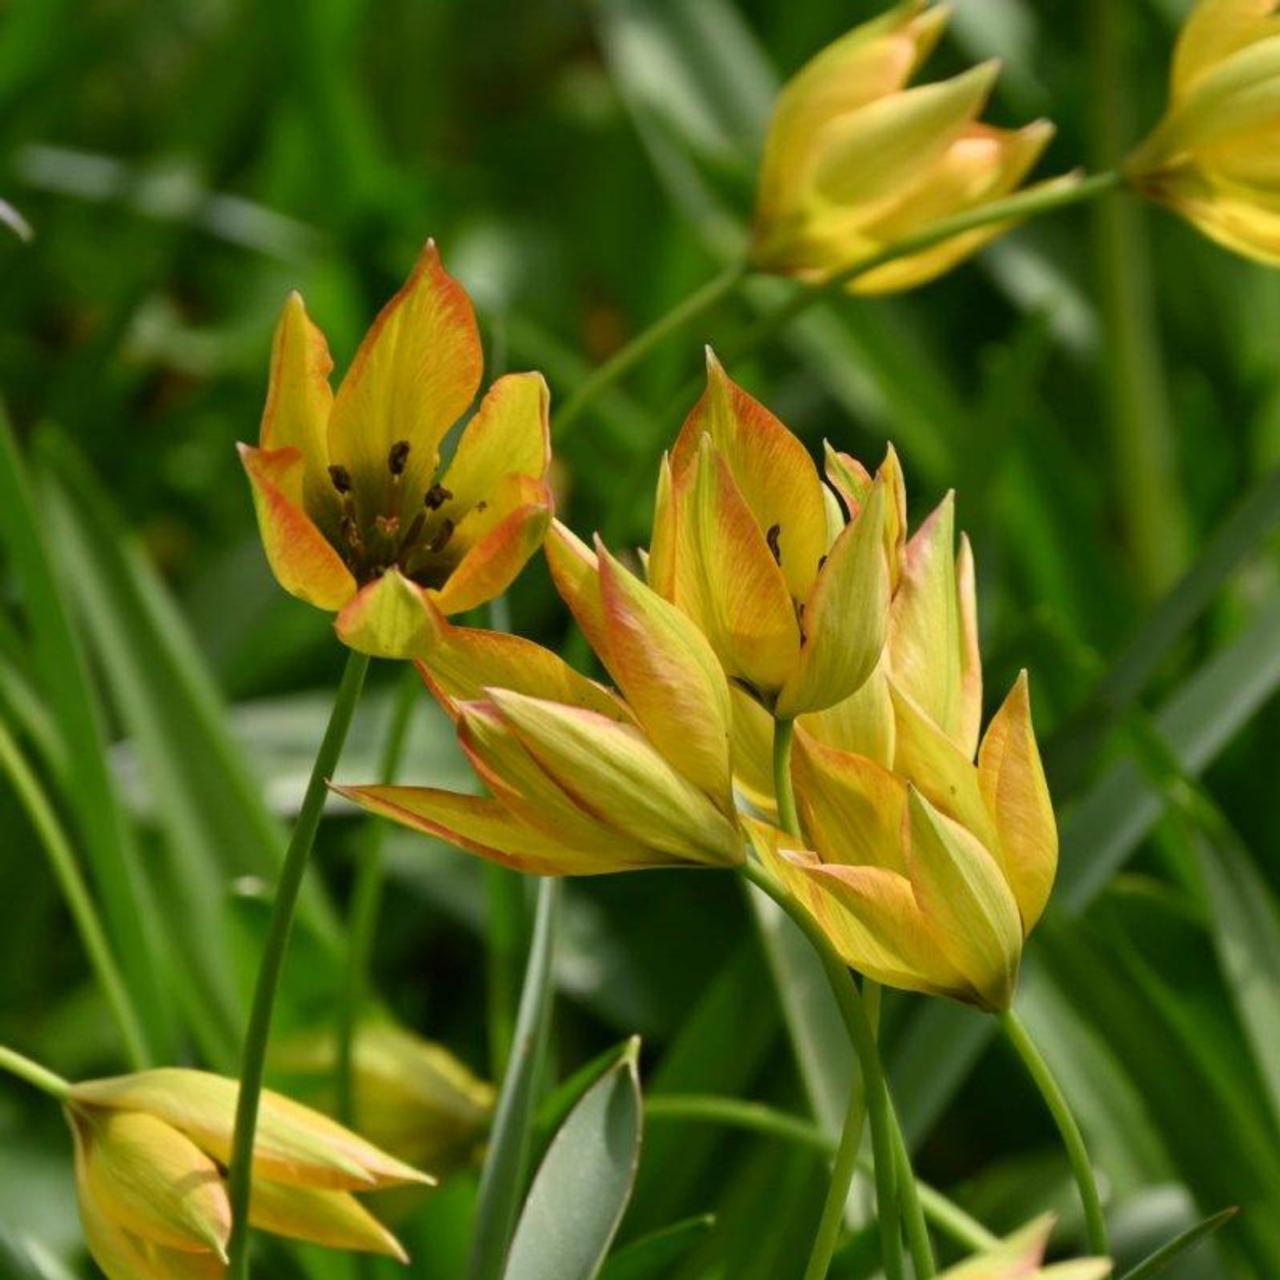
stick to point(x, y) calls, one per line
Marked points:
point(1212, 157)
point(856, 161)
point(1021, 1256)
point(151, 1149)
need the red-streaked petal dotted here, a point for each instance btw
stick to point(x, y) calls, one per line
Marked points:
point(300, 556)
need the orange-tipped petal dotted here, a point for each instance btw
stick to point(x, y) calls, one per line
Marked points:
point(664, 539)
point(459, 663)
point(576, 574)
point(487, 829)
point(969, 699)
point(926, 638)
point(300, 556)
point(770, 469)
point(1017, 795)
point(510, 433)
point(845, 616)
point(387, 618)
point(296, 415)
point(728, 581)
point(335, 1219)
point(613, 772)
point(670, 677)
point(293, 1144)
point(414, 375)
point(851, 809)
point(155, 1182)
point(970, 907)
point(499, 542)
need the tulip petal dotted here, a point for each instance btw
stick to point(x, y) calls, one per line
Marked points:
point(510, 433)
point(293, 1144)
point(1017, 795)
point(862, 724)
point(926, 637)
point(769, 468)
point(335, 1219)
point(496, 543)
point(728, 581)
point(661, 567)
point(671, 679)
point(459, 663)
point(970, 906)
point(851, 809)
point(155, 1182)
point(1016, 1257)
point(869, 157)
point(296, 415)
point(300, 556)
point(388, 618)
point(415, 373)
point(869, 914)
point(489, 830)
point(577, 578)
point(123, 1256)
point(752, 749)
point(845, 616)
point(930, 761)
point(1213, 31)
point(614, 774)
point(969, 699)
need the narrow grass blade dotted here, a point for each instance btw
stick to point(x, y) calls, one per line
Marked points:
point(652, 1256)
point(1164, 1258)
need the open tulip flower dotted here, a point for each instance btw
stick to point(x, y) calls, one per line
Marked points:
point(1213, 156)
point(151, 1150)
point(581, 782)
point(348, 488)
point(856, 161)
point(1021, 1256)
point(747, 543)
point(926, 869)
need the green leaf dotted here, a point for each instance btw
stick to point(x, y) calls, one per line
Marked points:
point(582, 1188)
point(652, 1256)
point(1162, 1259)
point(505, 1168)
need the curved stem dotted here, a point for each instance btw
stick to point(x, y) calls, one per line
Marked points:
point(17, 1064)
point(253, 1061)
point(769, 1122)
point(366, 901)
point(913, 1216)
point(79, 900)
point(679, 317)
point(1078, 1155)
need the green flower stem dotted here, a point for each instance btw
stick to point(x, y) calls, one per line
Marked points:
point(913, 1215)
point(1077, 1154)
point(34, 1074)
point(79, 900)
point(784, 732)
point(366, 900)
point(769, 1122)
point(679, 317)
point(253, 1061)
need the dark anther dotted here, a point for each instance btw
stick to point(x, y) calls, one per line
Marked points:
point(341, 478)
point(482, 505)
point(398, 457)
point(441, 540)
point(821, 561)
point(436, 497)
point(771, 538)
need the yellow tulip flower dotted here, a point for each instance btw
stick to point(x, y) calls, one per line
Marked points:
point(1212, 158)
point(856, 161)
point(151, 1150)
point(749, 544)
point(927, 867)
point(348, 488)
point(581, 782)
point(412, 1097)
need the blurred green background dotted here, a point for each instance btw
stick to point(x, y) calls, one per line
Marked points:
point(1103, 391)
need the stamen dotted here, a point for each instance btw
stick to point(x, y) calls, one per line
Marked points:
point(822, 560)
point(436, 497)
point(775, 531)
point(398, 457)
point(388, 526)
point(411, 538)
point(340, 478)
point(441, 540)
